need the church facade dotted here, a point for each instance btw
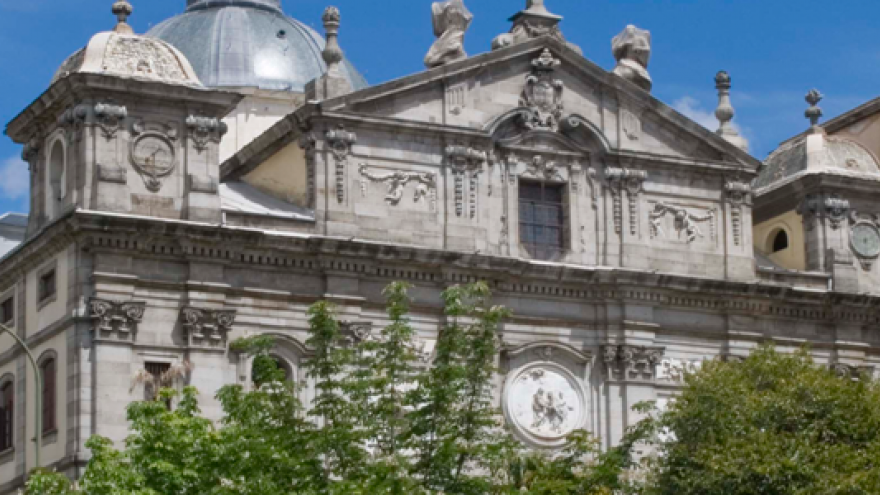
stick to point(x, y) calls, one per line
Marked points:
point(630, 243)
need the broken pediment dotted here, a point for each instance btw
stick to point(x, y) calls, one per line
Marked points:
point(543, 85)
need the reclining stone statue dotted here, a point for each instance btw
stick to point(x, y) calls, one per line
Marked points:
point(451, 20)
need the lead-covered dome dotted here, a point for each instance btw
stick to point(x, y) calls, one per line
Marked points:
point(248, 43)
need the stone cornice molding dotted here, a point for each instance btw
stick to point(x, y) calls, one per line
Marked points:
point(104, 232)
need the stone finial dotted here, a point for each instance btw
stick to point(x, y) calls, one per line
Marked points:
point(451, 20)
point(533, 22)
point(122, 9)
point(332, 53)
point(333, 83)
point(725, 112)
point(814, 113)
point(632, 50)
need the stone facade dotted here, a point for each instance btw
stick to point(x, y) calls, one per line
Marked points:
point(161, 255)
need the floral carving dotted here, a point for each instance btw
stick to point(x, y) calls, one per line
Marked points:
point(542, 95)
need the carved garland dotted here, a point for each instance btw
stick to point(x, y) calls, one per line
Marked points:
point(466, 162)
point(397, 180)
point(685, 221)
point(339, 143)
point(632, 181)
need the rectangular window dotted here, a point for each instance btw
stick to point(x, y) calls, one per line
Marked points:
point(7, 409)
point(7, 311)
point(154, 384)
point(542, 219)
point(47, 285)
point(49, 392)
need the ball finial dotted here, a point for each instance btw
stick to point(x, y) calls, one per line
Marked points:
point(122, 10)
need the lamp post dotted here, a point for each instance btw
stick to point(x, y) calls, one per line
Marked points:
point(37, 392)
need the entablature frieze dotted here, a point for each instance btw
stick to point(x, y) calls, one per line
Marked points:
point(244, 248)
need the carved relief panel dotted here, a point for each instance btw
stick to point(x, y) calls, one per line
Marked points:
point(544, 397)
point(678, 223)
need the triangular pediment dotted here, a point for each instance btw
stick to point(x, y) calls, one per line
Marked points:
point(482, 91)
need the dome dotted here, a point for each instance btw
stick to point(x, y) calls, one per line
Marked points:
point(248, 43)
point(817, 152)
point(122, 53)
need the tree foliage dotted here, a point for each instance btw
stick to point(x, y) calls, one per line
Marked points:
point(774, 424)
point(382, 421)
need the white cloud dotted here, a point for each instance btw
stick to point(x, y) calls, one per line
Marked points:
point(693, 109)
point(15, 181)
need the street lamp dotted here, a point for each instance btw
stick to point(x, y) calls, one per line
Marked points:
point(37, 392)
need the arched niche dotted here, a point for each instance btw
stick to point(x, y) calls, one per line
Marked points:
point(545, 396)
point(56, 170)
point(289, 353)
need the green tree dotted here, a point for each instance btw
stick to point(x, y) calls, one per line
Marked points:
point(381, 422)
point(774, 424)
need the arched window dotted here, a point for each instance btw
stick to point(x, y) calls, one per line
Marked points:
point(55, 180)
point(780, 241)
point(47, 368)
point(7, 414)
point(269, 368)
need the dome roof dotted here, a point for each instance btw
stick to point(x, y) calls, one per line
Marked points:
point(817, 152)
point(248, 43)
point(122, 53)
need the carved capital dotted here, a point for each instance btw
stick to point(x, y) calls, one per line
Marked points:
point(110, 118)
point(116, 319)
point(204, 130)
point(628, 362)
point(832, 208)
point(207, 328)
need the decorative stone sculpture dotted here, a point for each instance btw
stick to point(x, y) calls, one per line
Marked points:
point(632, 49)
point(533, 22)
point(725, 113)
point(122, 9)
point(814, 113)
point(333, 83)
point(544, 403)
point(451, 21)
point(542, 94)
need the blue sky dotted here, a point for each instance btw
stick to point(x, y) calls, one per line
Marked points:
point(775, 50)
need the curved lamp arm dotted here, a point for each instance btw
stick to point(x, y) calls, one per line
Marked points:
point(37, 392)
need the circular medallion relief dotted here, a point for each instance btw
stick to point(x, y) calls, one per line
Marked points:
point(154, 156)
point(544, 403)
point(866, 240)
